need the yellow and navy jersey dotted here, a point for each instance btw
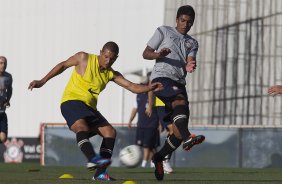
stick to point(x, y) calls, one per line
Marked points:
point(86, 88)
point(158, 102)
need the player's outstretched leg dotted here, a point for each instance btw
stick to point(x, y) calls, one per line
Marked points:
point(170, 145)
point(180, 118)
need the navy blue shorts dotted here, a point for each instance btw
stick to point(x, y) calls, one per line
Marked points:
point(170, 91)
point(3, 123)
point(162, 113)
point(74, 110)
point(148, 137)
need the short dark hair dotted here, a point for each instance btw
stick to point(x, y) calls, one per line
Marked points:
point(111, 46)
point(5, 61)
point(186, 10)
point(4, 58)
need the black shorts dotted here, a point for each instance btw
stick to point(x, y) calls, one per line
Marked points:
point(170, 91)
point(74, 110)
point(3, 123)
point(148, 137)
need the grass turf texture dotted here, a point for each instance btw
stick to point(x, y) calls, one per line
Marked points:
point(33, 173)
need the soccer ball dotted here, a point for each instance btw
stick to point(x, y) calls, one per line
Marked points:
point(130, 156)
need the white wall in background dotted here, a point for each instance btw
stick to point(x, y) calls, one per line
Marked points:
point(37, 34)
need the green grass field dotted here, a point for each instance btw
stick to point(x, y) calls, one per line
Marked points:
point(35, 174)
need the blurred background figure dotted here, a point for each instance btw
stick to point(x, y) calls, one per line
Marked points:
point(166, 125)
point(5, 96)
point(147, 133)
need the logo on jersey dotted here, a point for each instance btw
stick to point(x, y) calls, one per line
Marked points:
point(189, 44)
point(92, 92)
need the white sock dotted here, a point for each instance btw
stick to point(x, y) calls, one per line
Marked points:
point(144, 163)
point(152, 164)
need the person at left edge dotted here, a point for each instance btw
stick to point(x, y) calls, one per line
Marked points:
point(90, 76)
point(6, 89)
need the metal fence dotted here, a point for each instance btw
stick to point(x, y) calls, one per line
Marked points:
point(238, 60)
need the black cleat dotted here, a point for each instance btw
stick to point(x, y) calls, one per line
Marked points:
point(193, 141)
point(159, 169)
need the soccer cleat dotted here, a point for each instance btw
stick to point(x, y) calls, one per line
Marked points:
point(103, 177)
point(98, 162)
point(159, 169)
point(167, 167)
point(194, 139)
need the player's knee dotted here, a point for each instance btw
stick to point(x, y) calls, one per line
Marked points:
point(180, 114)
point(109, 131)
point(113, 132)
point(79, 127)
point(178, 101)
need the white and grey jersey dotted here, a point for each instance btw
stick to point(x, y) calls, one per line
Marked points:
point(173, 65)
point(5, 90)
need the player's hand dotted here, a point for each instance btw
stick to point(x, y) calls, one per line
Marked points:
point(35, 84)
point(274, 90)
point(129, 125)
point(164, 52)
point(191, 66)
point(148, 111)
point(156, 86)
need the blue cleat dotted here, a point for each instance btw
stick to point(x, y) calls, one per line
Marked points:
point(103, 177)
point(98, 162)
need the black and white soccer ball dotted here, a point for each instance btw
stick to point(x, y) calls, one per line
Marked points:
point(131, 156)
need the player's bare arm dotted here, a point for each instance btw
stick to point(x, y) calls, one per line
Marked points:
point(274, 90)
point(135, 88)
point(79, 60)
point(132, 116)
point(150, 53)
point(191, 64)
point(10, 92)
point(149, 108)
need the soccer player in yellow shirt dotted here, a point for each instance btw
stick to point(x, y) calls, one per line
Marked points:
point(79, 102)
